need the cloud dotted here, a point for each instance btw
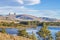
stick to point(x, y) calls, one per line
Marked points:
point(9, 3)
point(33, 2)
point(24, 10)
point(49, 13)
point(7, 9)
point(28, 2)
point(20, 1)
point(0, 10)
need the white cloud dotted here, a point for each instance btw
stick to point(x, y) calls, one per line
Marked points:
point(29, 2)
point(20, 1)
point(0, 10)
point(12, 7)
point(7, 9)
point(24, 10)
point(33, 2)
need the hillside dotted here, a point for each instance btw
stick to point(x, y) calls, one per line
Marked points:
point(26, 17)
point(41, 19)
point(48, 19)
point(10, 37)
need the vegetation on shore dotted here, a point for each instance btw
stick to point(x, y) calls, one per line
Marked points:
point(45, 33)
point(4, 36)
point(3, 30)
point(25, 34)
point(26, 24)
point(21, 33)
point(18, 25)
point(50, 23)
point(58, 35)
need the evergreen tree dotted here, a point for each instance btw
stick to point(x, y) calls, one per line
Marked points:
point(22, 33)
point(44, 32)
point(3, 30)
point(33, 36)
point(58, 35)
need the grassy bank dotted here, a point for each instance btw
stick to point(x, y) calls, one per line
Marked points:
point(4, 36)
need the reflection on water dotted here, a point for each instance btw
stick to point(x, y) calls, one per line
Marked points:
point(14, 31)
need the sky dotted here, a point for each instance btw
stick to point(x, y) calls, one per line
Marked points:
point(39, 8)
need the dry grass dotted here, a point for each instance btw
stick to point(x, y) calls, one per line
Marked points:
point(4, 36)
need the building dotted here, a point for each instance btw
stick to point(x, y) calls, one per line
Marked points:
point(10, 16)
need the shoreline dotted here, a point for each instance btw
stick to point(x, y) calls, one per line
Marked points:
point(28, 27)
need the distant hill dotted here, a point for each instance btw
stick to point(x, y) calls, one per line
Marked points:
point(41, 19)
point(48, 19)
point(27, 17)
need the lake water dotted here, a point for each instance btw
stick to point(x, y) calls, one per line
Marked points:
point(14, 31)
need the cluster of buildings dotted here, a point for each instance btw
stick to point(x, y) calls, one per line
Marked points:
point(10, 16)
